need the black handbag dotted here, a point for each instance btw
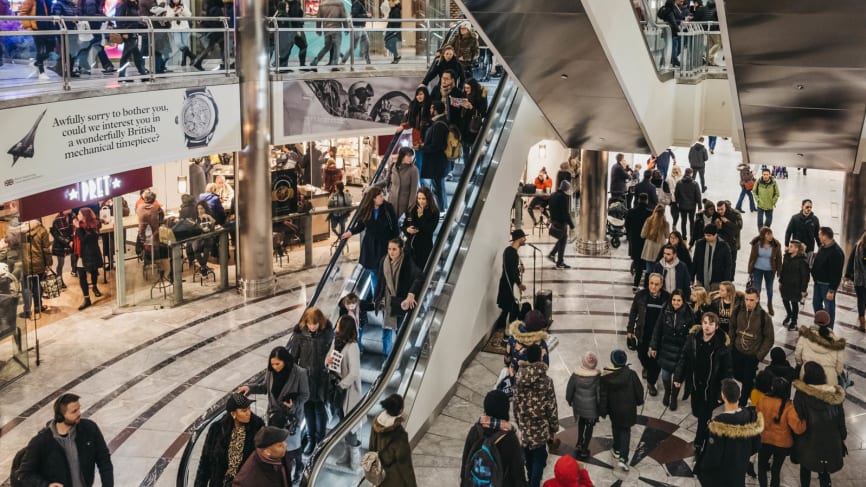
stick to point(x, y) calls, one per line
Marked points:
point(475, 123)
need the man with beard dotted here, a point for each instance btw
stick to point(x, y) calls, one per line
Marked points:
point(645, 310)
point(228, 444)
point(67, 451)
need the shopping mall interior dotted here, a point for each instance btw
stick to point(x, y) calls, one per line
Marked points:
point(179, 192)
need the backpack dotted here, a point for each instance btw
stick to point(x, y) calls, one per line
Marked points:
point(454, 144)
point(14, 474)
point(372, 466)
point(485, 464)
point(663, 12)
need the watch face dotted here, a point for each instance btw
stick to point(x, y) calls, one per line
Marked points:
point(197, 117)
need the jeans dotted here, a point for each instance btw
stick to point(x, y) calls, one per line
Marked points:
point(392, 44)
point(331, 47)
point(667, 375)
point(61, 260)
point(712, 141)
point(438, 188)
point(44, 46)
point(621, 439)
point(745, 367)
point(675, 214)
point(806, 478)
point(759, 275)
point(765, 218)
point(675, 51)
point(536, 459)
point(770, 457)
point(861, 298)
point(361, 40)
point(648, 363)
point(792, 310)
point(387, 340)
point(201, 249)
point(687, 223)
point(317, 420)
point(743, 193)
point(820, 301)
point(338, 222)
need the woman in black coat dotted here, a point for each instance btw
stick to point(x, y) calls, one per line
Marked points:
point(62, 231)
point(477, 108)
point(394, 37)
point(793, 281)
point(309, 345)
point(419, 223)
point(86, 245)
point(377, 217)
point(669, 336)
point(822, 447)
point(214, 456)
point(398, 285)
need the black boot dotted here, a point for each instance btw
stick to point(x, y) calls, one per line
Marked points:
point(85, 304)
point(96, 291)
point(675, 391)
point(666, 399)
point(651, 389)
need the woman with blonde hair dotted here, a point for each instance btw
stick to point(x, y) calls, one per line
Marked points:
point(724, 301)
point(672, 180)
point(309, 345)
point(655, 233)
point(700, 302)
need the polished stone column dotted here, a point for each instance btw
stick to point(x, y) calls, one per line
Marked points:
point(853, 214)
point(253, 201)
point(593, 204)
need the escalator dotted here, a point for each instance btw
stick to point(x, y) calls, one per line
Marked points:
point(383, 374)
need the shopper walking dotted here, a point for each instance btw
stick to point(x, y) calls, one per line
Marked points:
point(560, 224)
point(704, 363)
point(388, 438)
point(724, 302)
point(669, 337)
point(394, 36)
point(675, 274)
point(360, 39)
point(36, 259)
point(620, 394)
point(335, 11)
point(536, 413)
point(827, 273)
point(819, 344)
point(130, 8)
point(63, 232)
point(228, 444)
point(856, 272)
point(510, 281)
point(635, 219)
point(671, 181)
point(781, 423)
point(747, 184)
point(698, 157)
point(646, 307)
point(94, 8)
point(568, 472)
point(735, 435)
point(821, 447)
point(712, 262)
point(804, 227)
point(86, 247)
point(493, 426)
point(344, 365)
point(766, 196)
point(729, 223)
point(655, 233)
point(765, 262)
point(583, 396)
point(753, 335)
point(793, 282)
point(688, 197)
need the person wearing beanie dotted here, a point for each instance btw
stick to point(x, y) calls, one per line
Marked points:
point(536, 413)
point(819, 344)
point(779, 365)
point(620, 394)
point(268, 466)
point(821, 448)
point(568, 472)
point(219, 463)
point(582, 395)
point(560, 216)
point(524, 334)
point(389, 439)
point(494, 426)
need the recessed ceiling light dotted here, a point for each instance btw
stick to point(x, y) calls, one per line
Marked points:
point(563, 76)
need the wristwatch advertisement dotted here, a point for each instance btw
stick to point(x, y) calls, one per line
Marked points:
point(198, 117)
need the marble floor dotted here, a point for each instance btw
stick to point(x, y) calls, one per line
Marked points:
point(591, 304)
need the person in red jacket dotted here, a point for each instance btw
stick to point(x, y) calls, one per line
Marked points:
point(568, 472)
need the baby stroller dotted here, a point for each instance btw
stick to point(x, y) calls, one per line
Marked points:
point(616, 211)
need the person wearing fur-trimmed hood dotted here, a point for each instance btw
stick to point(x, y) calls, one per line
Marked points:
point(821, 448)
point(735, 435)
point(582, 395)
point(819, 344)
point(531, 331)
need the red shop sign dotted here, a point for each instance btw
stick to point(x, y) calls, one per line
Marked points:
point(84, 193)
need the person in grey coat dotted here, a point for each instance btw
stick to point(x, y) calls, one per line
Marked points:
point(287, 387)
point(345, 356)
point(582, 395)
point(401, 185)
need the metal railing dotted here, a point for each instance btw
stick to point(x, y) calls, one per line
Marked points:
point(219, 238)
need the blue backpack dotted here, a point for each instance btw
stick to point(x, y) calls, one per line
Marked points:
point(485, 465)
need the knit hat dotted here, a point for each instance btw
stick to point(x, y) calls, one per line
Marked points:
point(534, 321)
point(618, 358)
point(533, 353)
point(589, 361)
point(777, 356)
point(496, 405)
point(822, 318)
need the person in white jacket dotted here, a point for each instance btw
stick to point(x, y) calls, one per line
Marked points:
point(672, 180)
point(177, 9)
point(818, 344)
point(344, 365)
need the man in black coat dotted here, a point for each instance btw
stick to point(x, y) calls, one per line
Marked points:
point(634, 220)
point(559, 218)
point(435, 165)
point(216, 467)
point(67, 436)
point(804, 227)
point(620, 394)
point(698, 157)
point(646, 186)
point(735, 435)
point(495, 422)
point(511, 276)
point(827, 273)
point(688, 197)
point(619, 177)
point(712, 260)
point(675, 273)
point(645, 310)
point(130, 8)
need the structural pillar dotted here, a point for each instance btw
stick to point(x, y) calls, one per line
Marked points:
point(256, 272)
point(853, 213)
point(593, 204)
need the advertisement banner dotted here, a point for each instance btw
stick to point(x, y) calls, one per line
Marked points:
point(49, 146)
point(356, 106)
point(284, 192)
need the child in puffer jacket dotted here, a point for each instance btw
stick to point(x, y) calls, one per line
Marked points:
point(568, 472)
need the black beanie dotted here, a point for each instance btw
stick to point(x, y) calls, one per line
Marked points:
point(533, 353)
point(496, 405)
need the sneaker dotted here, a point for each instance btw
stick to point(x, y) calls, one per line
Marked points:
point(792, 326)
point(621, 463)
point(551, 258)
point(786, 321)
point(563, 265)
point(44, 77)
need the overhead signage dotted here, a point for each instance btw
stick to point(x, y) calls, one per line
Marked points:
point(65, 142)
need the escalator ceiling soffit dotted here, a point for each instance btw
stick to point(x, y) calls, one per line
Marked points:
point(540, 41)
point(800, 73)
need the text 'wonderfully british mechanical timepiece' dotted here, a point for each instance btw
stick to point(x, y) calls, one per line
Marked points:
point(198, 117)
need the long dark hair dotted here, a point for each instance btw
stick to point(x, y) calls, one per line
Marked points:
point(404, 151)
point(365, 210)
point(475, 96)
point(283, 354)
point(780, 388)
point(431, 202)
point(347, 332)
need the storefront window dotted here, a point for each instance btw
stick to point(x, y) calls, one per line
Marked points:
point(14, 359)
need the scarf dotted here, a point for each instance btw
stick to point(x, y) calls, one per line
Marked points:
point(494, 423)
point(445, 91)
point(392, 273)
point(279, 380)
point(670, 274)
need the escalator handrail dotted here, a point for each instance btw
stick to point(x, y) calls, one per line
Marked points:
point(359, 411)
